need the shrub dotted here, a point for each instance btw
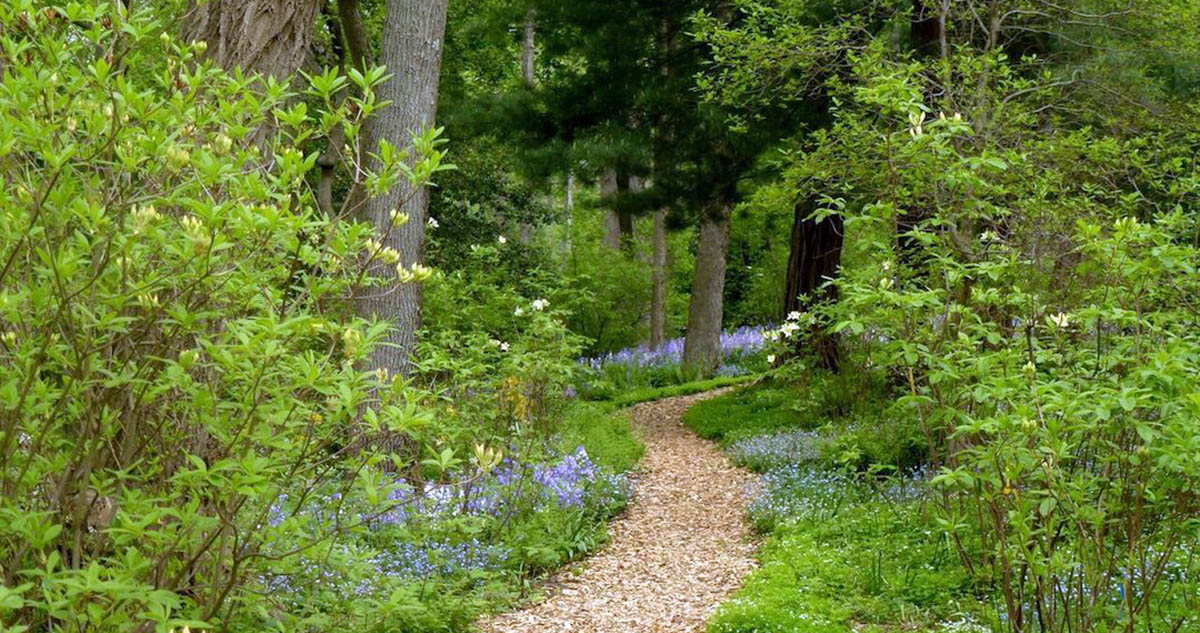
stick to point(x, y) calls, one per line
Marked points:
point(177, 349)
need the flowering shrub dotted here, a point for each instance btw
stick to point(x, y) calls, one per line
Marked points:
point(1046, 350)
point(177, 346)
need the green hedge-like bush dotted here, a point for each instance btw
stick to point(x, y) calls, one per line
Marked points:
point(177, 345)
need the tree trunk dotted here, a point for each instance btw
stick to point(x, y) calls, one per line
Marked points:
point(815, 256)
point(702, 345)
point(358, 46)
point(612, 224)
point(529, 49)
point(658, 291)
point(412, 51)
point(570, 199)
point(266, 36)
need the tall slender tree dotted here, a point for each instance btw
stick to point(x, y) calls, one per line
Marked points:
point(411, 48)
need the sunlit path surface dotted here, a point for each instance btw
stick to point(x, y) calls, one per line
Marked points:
point(683, 546)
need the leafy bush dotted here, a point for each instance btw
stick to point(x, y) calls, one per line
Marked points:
point(178, 347)
point(1040, 332)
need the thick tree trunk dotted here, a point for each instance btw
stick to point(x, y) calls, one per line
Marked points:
point(814, 259)
point(702, 345)
point(658, 290)
point(266, 36)
point(412, 51)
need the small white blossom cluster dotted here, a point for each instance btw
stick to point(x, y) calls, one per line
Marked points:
point(501, 344)
point(416, 273)
point(785, 331)
point(143, 216)
point(538, 305)
point(386, 253)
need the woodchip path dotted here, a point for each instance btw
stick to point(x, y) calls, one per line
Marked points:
point(682, 547)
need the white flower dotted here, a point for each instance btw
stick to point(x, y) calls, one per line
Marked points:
point(504, 347)
point(519, 311)
point(502, 239)
point(916, 119)
point(770, 359)
point(433, 223)
point(540, 304)
point(1060, 319)
point(793, 316)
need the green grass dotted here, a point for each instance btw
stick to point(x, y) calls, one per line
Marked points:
point(758, 409)
point(606, 435)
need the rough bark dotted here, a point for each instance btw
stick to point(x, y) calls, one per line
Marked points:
point(412, 51)
point(702, 344)
point(658, 290)
point(267, 36)
point(814, 259)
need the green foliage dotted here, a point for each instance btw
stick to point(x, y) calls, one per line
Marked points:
point(870, 567)
point(752, 411)
point(178, 348)
point(608, 437)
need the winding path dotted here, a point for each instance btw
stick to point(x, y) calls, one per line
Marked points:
point(681, 548)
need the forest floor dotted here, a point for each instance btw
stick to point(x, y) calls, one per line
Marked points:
point(682, 547)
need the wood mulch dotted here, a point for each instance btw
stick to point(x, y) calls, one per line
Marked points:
point(681, 548)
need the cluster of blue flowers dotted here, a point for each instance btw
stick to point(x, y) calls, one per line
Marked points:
point(804, 491)
point(572, 481)
point(734, 345)
point(776, 450)
point(416, 561)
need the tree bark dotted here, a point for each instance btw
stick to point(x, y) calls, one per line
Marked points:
point(814, 259)
point(358, 46)
point(658, 290)
point(412, 51)
point(266, 36)
point(702, 344)
point(529, 49)
point(612, 224)
point(570, 198)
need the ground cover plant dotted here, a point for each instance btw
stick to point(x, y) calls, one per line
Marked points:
point(848, 549)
